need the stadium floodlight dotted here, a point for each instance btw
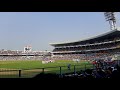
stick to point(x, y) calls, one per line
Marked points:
point(110, 16)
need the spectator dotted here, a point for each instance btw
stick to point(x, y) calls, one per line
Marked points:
point(69, 66)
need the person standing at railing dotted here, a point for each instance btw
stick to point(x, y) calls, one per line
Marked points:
point(69, 65)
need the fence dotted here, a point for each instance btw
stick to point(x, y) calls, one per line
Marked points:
point(29, 73)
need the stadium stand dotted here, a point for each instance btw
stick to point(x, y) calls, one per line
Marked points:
point(105, 46)
point(20, 55)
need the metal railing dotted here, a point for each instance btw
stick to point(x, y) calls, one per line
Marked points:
point(29, 73)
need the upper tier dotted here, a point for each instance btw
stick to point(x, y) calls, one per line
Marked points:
point(108, 36)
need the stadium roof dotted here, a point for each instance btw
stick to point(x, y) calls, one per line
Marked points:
point(115, 32)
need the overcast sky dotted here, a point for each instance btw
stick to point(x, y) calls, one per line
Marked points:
point(38, 29)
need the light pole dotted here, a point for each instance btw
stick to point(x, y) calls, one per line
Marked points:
point(110, 16)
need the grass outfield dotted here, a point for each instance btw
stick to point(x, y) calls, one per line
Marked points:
point(32, 67)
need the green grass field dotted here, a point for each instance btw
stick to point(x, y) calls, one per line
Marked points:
point(34, 67)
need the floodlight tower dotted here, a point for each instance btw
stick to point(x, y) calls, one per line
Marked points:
point(110, 16)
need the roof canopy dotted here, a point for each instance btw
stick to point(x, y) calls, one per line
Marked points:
point(108, 35)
